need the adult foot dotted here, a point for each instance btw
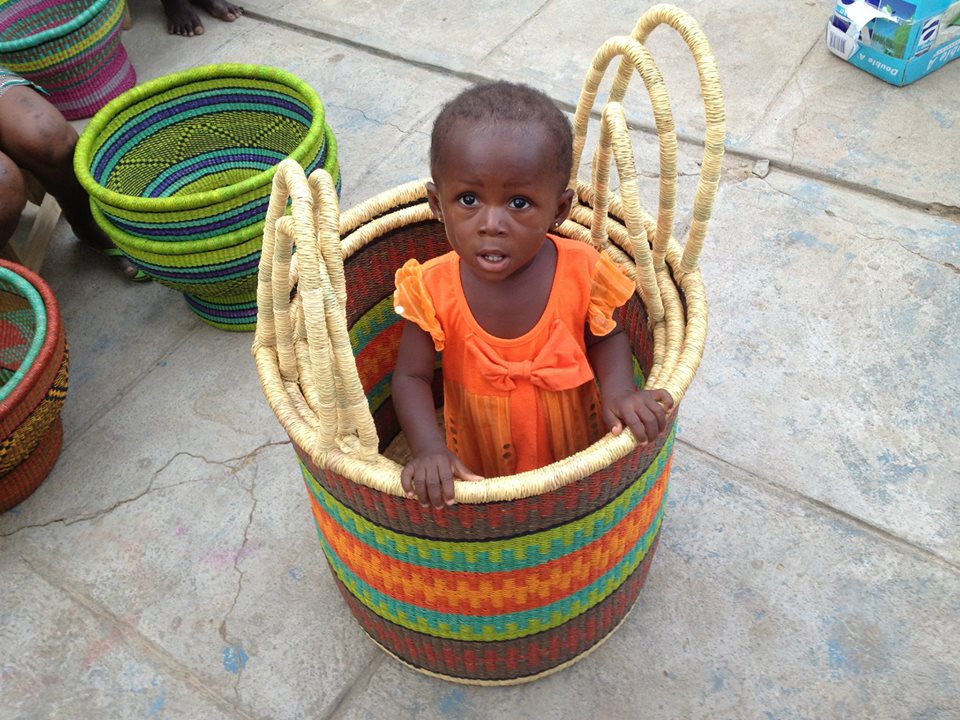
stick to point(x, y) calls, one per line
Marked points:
point(220, 9)
point(96, 239)
point(182, 20)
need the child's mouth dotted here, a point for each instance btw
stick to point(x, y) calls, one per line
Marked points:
point(492, 261)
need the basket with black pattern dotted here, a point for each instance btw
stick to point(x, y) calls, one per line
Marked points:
point(34, 367)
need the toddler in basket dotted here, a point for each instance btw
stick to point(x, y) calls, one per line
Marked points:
point(524, 319)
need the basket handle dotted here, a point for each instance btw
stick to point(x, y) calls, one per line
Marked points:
point(635, 58)
point(614, 145)
point(714, 114)
point(327, 409)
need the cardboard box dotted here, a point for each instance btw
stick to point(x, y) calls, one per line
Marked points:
point(895, 40)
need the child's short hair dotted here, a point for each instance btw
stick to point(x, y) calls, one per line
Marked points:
point(505, 102)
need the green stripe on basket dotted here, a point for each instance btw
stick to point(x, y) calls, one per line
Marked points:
point(492, 555)
point(141, 219)
point(372, 323)
point(189, 274)
point(494, 628)
point(13, 282)
point(266, 156)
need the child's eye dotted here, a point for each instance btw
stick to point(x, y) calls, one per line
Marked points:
point(467, 199)
point(519, 203)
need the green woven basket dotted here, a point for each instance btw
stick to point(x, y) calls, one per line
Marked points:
point(179, 171)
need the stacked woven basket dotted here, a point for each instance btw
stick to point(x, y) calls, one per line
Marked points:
point(179, 172)
point(34, 365)
point(528, 573)
point(70, 48)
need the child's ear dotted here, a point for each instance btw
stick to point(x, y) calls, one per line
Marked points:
point(433, 198)
point(563, 206)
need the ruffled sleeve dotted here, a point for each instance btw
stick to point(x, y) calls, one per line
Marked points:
point(609, 290)
point(412, 302)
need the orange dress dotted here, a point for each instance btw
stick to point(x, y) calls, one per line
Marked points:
point(520, 403)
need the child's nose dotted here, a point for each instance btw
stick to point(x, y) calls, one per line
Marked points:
point(492, 221)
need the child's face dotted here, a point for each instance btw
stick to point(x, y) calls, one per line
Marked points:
point(498, 192)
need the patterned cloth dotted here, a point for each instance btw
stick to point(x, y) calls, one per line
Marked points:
point(9, 79)
point(522, 403)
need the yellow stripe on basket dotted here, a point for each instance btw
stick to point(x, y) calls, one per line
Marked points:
point(77, 48)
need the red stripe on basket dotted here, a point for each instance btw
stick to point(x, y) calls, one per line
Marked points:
point(493, 593)
point(378, 357)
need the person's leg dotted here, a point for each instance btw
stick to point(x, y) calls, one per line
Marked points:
point(12, 198)
point(35, 135)
point(183, 20)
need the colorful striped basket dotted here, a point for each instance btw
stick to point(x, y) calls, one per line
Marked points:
point(179, 172)
point(525, 574)
point(34, 365)
point(70, 48)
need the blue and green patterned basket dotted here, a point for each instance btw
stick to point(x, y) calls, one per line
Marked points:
point(179, 172)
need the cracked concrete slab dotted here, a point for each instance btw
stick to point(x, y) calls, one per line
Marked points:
point(116, 330)
point(204, 398)
point(830, 367)
point(62, 655)
point(756, 605)
point(223, 573)
point(837, 121)
point(556, 48)
point(448, 37)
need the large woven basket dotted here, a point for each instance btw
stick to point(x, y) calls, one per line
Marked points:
point(527, 573)
point(34, 365)
point(179, 172)
point(70, 48)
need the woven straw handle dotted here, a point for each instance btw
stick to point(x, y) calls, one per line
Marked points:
point(675, 354)
point(309, 333)
point(635, 58)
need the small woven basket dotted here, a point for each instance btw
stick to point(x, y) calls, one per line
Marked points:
point(179, 172)
point(527, 573)
point(34, 365)
point(70, 48)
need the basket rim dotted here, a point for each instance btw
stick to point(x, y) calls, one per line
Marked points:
point(125, 240)
point(44, 306)
point(55, 33)
point(221, 71)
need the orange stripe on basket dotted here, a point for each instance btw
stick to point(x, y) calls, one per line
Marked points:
point(493, 593)
point(378, 357)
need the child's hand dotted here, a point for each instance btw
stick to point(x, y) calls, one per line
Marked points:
point(643, 411)
point(429, 477)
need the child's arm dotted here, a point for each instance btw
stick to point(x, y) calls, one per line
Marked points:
point(429, 475)
point(643, 411)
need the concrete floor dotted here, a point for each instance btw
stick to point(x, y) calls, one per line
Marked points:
point(809, 565)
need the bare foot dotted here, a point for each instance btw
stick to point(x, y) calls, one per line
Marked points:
point(182, 20)
point(93, 236)
point(220, 9)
